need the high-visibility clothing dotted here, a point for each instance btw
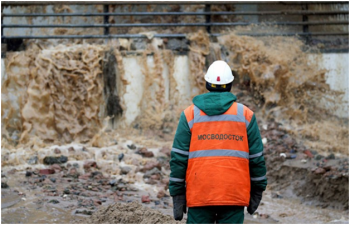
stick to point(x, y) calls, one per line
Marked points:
point(218, 160)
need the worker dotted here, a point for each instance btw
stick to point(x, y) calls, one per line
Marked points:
point(217, 163)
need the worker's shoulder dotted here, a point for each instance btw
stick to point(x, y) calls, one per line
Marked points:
point(189, 112)
point(246, 108)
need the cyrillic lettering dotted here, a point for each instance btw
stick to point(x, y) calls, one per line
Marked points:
point(200, 137)
point(241, 138)
point(212, 136)
point(237, 138)
point(208, 136)
point(221, 137)
point(230, 136)
point(204, 137)
point(225, 136)
point(216, 136)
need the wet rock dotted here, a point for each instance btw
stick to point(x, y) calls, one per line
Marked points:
point(66, 191)
point(145, 199)
point(12, 171)
point(54, 201)
point(76, 165)
point(113, 182)
point(57, 168)
point(57, 151)
point(149, 173)
point(161, 194)
point(53, 180)
point(73, 172)
point(308, 153)
point(331, 156)
point(150, 165)
point(120, 157)
point(145, 153)
point(157, 202)
point(122, 187)
point(264, 216)
point(155, 177)
point(318, 157)
point(33, 160)
point(84, 212)
point(50, 160)
point(314, 152)
point(276, 195)
point(283, 215)
point(71, 149)
point(320, 171)
point(132, 146)
point(125, 170)
point(291, 156)
point(165, 150)
point(97, 202)
point(4, 185)
point(46, 171)
point(89, 164)
point(85, 176)
point(28, 173)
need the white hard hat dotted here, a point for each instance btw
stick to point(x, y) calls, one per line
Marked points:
point(219, 72)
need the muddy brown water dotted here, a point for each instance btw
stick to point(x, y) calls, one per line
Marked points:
point(45, 85)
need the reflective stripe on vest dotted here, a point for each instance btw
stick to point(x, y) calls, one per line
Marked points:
point(224, 117)
point(218, 152)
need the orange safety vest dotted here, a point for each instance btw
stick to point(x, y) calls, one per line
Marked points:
point(218, 162)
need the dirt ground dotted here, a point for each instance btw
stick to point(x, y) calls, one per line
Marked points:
point(303, 186)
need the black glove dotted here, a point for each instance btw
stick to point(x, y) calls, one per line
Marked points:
point(255, 198)
point(179, 206)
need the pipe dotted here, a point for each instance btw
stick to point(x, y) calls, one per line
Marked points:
point(168, 35)
point(162, 2)
point(171, 24)
point(180, 13)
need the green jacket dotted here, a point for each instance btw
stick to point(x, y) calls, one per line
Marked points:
point(213, 103)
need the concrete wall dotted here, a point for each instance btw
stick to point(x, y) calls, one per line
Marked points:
point(337, 66)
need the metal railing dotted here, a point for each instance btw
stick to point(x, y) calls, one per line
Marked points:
point(305, 23)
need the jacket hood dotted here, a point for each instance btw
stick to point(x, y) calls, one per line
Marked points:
point(214, 103)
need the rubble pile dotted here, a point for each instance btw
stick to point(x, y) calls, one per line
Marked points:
point(308, 173)
point(140, 175)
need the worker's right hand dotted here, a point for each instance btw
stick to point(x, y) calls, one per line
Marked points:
point(179, 206)
point(255, 198)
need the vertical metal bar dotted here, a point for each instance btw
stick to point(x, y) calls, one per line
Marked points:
point(2, 22)
point(106, 18)
point(306, 27)
point(208, 17)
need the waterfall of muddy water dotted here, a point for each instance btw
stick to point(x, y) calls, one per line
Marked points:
point(55, 97)
point(288, 88)
point(55, 93)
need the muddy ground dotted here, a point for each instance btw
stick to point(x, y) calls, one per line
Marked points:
point(64, 187)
